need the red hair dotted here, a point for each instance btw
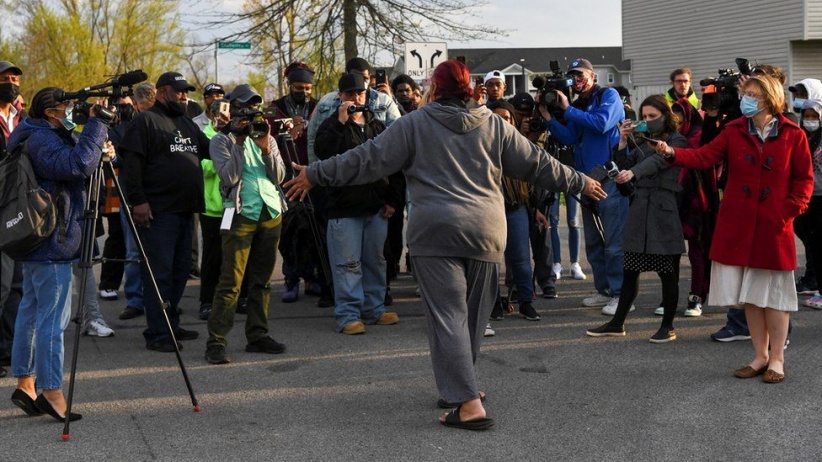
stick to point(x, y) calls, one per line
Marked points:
point(453, 80)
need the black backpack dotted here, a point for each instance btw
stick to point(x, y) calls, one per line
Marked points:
point(28, 214)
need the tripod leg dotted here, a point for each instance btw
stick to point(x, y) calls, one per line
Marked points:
point(156, 289)
point(85, 264)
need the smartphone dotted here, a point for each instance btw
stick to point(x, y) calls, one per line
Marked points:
point(478, 81)
point(381, 76)
point(224, 107)
point(270, 111)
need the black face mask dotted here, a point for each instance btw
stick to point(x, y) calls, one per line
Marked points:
point(9, 92)
point(176, 108)
point(299, 97)
point(656, 125)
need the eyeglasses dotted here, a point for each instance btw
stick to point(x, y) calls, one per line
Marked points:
point(682, 81)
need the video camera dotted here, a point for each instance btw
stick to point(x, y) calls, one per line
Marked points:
point(726, 98)
point(257, 127)
point(546, 86)
point(114, 88)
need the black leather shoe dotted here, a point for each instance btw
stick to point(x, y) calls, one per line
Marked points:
point(163, 346)
point(130, 313)
point(22, 400)
point(215, 354)
point(43, 404)
point(183, 334)
point(205, 310)
point(265, 345)
point(242, 306)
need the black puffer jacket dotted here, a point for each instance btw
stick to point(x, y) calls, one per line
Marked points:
point(335, 138)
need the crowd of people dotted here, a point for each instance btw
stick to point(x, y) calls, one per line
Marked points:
point(344, 185)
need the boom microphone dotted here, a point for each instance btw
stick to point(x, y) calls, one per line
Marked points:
point(129, 78)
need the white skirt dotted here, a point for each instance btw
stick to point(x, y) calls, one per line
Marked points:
point(735, 285)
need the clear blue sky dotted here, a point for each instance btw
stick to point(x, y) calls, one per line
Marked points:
point(530, 23)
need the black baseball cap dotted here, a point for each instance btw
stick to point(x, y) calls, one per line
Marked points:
point(176, 80)
point(351, 82)
point(522, 102)
point(7, 66)
point(213, 88)
point(245, 93)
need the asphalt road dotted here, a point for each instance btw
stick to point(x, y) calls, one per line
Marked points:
point(554, 393)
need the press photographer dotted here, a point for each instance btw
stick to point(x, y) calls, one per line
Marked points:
point(248, 163)
point(62, 165)
point(592, 126)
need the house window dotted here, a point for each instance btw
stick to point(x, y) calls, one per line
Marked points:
point(610, 78)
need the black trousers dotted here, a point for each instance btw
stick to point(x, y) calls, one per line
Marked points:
point(111, 272)
point(810, 223)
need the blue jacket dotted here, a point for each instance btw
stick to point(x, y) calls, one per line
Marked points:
point(56, 157)
point(593, 132)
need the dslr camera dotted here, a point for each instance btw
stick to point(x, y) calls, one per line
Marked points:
point(355, 108)
point(257, 127)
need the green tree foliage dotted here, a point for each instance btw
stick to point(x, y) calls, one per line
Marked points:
point(76, 43)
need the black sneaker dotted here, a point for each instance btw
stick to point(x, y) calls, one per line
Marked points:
point(265, 345)
point(205, 310)
point(528, 312)
point(805, 286)
point(183, 334)
point(549, 292)
point(606, 330)
point(163, 346)
point(130, 313)
point(242, 306)
point(497, 314)
point(215, 354)
point(664, 335)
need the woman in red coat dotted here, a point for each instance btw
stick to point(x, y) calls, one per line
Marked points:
point(770, 180)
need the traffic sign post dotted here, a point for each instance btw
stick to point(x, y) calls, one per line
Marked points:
point(227, 46)
point(421, 59)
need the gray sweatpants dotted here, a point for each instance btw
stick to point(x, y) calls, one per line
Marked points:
point(457, 295)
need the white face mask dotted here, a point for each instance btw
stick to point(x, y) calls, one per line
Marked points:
point(810, 125)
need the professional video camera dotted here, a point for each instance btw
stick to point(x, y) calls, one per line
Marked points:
point(546, 86)
point(726, 98)
point(114, 88)
point(257, 127)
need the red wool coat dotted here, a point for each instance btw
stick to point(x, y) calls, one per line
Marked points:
point(768, 186)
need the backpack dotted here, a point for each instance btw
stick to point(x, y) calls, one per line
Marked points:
point(28, 214)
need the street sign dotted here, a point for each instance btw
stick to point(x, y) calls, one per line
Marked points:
point(234, 45)
point(421, 59)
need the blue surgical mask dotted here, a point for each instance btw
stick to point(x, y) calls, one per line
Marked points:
point(798, 102)
point(749, 106)
point(68, 124)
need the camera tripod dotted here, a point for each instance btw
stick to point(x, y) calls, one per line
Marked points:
point(90, 216)
point(316, 232)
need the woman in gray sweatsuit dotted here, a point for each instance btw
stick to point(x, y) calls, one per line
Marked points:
point(453, 159)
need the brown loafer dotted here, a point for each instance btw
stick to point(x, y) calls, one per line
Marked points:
point(749, 372)
point(772, 376)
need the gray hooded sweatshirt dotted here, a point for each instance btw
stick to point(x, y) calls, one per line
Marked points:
point(453, 160)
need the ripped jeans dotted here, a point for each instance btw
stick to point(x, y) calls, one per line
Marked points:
point(355, 252)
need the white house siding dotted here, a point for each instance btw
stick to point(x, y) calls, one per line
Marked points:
point(705, 35)
point(806, 60)
point(813, 19)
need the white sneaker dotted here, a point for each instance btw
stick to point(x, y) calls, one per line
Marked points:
point(108, 294)
point(576, 272)
point(596, 300)
point(610, 308)
point(660, 311)
point(814, 302)
point(98, 328)
point(489, 332)
point(557, 269)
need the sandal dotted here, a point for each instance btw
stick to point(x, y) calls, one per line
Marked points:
point(452, 419)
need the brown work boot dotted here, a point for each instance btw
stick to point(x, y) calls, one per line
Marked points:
point(354, 328)
point(388, 318)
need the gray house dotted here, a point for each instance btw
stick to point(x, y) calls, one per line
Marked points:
point(520, 65)
point(706, 35)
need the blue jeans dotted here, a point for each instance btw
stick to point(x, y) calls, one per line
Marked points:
point(571, 211)
point(606, 257)
point(41, 319)
point(167, 243)
point(355, 251)
point(518, 253)
point(133, 285)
